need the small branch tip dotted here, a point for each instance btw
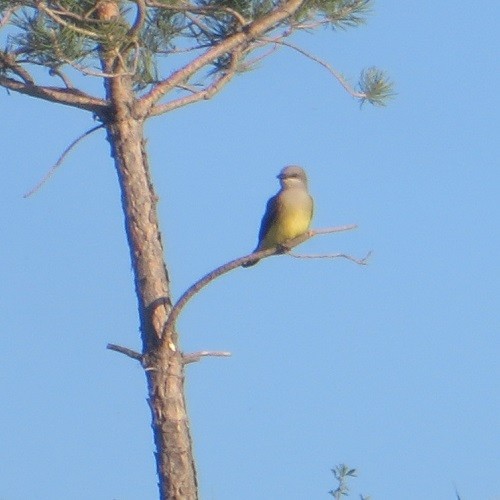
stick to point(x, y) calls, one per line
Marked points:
point(196, 356)
point(125, 350)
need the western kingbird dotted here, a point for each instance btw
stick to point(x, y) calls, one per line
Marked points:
point(288, 213)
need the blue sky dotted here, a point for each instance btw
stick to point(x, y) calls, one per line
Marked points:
point(391, 368)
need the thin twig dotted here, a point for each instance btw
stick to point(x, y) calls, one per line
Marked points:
point(336, 229)
point(196, 356)
point(362, 262)
point(52, 170)
point(225, 268)
point(261, 57)
point(91, 72)
point(350, 90)
point(125, 350)
point(42, 6)
point(200, 25)
point(201, 10)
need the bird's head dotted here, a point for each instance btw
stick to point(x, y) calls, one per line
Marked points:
point(292, 176)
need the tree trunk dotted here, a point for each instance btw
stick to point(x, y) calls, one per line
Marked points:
point(162, 359)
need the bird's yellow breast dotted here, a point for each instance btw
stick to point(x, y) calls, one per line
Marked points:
point(292, 219)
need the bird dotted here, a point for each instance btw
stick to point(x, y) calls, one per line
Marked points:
point(288, 213)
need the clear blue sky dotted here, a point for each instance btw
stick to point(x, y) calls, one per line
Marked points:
point(392, 368)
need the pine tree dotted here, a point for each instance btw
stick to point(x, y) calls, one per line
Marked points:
point(125, 43)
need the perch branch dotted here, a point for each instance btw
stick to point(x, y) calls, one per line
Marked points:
point(225, 268)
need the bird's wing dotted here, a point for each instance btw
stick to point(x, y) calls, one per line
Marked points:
point(268, 218)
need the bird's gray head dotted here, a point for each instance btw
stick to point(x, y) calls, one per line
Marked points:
point(293, 176)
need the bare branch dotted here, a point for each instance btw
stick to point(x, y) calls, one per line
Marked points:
point(251, 32)
point(361, 261)
point(196, 356)
point(68, 97)
point(335, 229)
point(338, 76)
point(204, 94)
point(225, 268)
point(256, 60)
point(125, 350)
point(51, 172)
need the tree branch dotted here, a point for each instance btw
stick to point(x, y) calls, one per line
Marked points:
point(125, 350)
point(43, 7)
point(139, 19)
point(8, 61)
point(69, 97)
point(225, 268)
point(249, 33)
point(7, 14)
point(204, 94)
point(201, 10)
point(362, 262)
point(338, 76)
point(50, 173)
point(57, 72)
point(196, 356)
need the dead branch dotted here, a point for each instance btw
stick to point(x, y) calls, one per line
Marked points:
point(225, 268)
point(362, 262)
point(338, 76)
point(196, 356)
point(335, 229)
point(52, 170)
point(125, 350)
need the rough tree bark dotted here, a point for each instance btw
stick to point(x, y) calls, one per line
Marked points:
point(161, 359)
